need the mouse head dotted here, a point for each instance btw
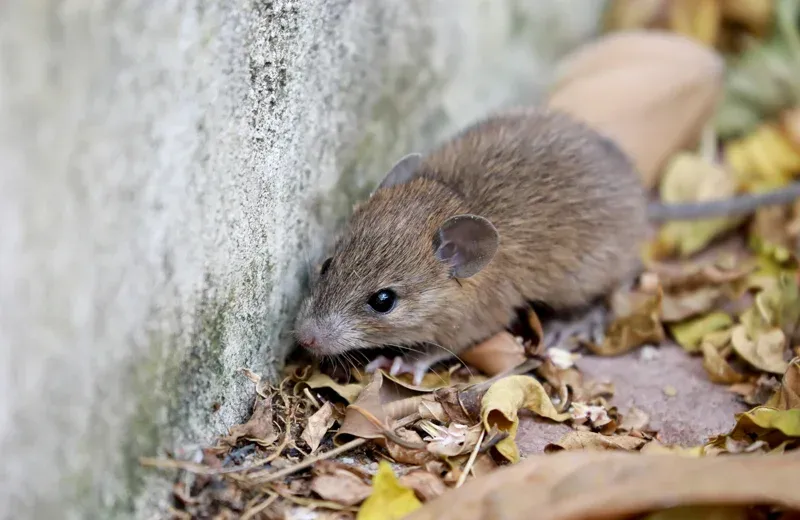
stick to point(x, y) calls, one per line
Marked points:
point(393, 276)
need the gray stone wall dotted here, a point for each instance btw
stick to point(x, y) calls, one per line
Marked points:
point(168, 170)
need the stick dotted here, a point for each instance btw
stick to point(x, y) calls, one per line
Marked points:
point(471, 461)
point(263, 477)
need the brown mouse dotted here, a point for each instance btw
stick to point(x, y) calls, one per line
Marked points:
point(526, 205)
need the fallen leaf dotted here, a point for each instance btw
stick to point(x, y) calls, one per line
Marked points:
point(690, 333)
point(381, 401)
point(788, 395)
point(450, 441)
point(258, 428)
point(650, 91)
point(347, 392)
point(763, 424)
point(718, 369)
point(341, 486)
point(318, 425)
point(701, 512)
point(504, 398)
point(690, 178)
point(427, 486)
point(635, 419)
point(593, 416)
point(497, 354)
point(389, 499)
point(578, 440)
point(656, 448)
point(678, 307)
point(637, 323)
point(779, 305)
point(617, 484)
point(412, 450)
point(765, 351)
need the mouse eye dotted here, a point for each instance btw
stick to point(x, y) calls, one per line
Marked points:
point(325, 265)
point(382, 301)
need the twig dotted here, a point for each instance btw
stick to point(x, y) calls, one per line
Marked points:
point(471, 461)
point(262, 477)
point(253, 511)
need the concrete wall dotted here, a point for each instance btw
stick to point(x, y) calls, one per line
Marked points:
point(167, 169)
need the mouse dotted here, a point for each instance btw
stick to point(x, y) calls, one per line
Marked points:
point(525, 205)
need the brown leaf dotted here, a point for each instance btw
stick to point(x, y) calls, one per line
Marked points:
point(258, 428)
point(427, 486)
point(341, 486)
point(347, 392)
point(318, 425)
point(453, 440)
point(635, 419)
point(368, 417)
point(617, 484)
point(580, 440)
point(411, 451)
point(788, 395)
point(497, 354)
point(637, 323)
point(718, 369)
point(678, 307)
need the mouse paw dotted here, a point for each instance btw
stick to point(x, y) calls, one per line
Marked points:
point(399, 365)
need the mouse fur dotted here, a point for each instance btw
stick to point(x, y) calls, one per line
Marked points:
point(568, 213)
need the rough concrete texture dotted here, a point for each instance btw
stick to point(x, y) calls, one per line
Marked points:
point(698, 409)
point(166, 171)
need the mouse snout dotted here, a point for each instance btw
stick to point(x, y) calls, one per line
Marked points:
point(310, 335)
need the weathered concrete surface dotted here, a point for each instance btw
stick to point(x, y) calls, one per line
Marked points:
point(166, 169)
point(698, 410)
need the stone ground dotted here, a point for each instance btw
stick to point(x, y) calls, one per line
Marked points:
point(697, 410)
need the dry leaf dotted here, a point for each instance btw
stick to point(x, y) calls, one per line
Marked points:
point(389, 499)
point(426, 485)
point(497, 354)
point(637, 323)
point(579, 440)
point(258, 428)
point(318, 426)
point(347, 392)
point(765, 351)
point(689, 178)
point(718, 369)
point(378, 403)
point(617, 484)
point(788, 395)
point(763, 424)
point(650, 91)
point(678, 307)
point(451, 441)
point(635, 419)
point(504, 398)
point(690, 333)
point(779, 306)
point(701, 512)
point(341, 486)
point(412, 450)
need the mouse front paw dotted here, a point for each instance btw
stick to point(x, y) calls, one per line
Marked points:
point(399, 365)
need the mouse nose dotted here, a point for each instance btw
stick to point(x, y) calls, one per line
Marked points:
point(307, 337)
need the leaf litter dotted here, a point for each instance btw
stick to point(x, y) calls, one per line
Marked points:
point(327, 443)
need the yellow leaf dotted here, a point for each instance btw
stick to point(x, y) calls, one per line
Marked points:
point(779, 305)
point(581, 440)
point(689, 333)
point(763, 350)
point(348, 392)
point(763, 423)
point(389, 499)
point(690, 178)
point(504, 398)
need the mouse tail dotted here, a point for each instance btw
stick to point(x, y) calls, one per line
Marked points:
point(732, 207)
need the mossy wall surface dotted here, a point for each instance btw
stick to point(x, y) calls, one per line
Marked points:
point(168, 170)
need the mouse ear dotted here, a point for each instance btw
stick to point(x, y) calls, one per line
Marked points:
point(466, 242)
point(403, 171)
